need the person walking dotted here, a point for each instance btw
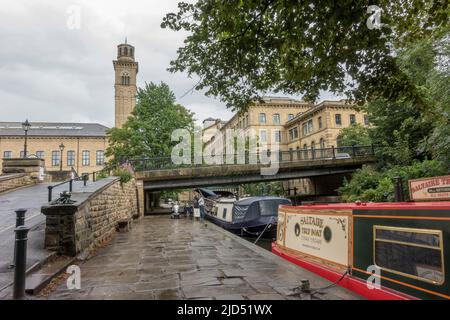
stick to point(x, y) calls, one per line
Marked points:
point(201, 204)
point(196, 208)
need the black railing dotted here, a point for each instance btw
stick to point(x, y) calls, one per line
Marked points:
point(294, 155)
point(84, 177)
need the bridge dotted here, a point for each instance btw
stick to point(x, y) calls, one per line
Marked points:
point(161, 174)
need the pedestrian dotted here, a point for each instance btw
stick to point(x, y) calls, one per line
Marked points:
point(201, 204)
point(196, 208)
point(175, 208)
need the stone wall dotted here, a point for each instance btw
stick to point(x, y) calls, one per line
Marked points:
point(15, 180)
point(80, 227)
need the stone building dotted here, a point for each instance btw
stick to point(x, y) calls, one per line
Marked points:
point(84, 143)
point(293, 124)
point(266, 119)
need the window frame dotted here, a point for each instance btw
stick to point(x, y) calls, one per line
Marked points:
point(350, 117)
point(439, 233)
point(70, 164)
point(97, 157)
point(336, 116)
point(56, 158)
point(83, 163)
point(40, 152)
point(10, 154)
point(262, 116)
point(276, 116)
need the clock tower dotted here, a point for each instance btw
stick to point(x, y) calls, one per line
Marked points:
point(126, 70)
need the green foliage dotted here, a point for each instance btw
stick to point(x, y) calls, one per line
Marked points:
point(124, 175)
point(267, 188)
point(239, 49)
point(368, 184)
point(148, 130)
point(356, 134)
point(101, 175)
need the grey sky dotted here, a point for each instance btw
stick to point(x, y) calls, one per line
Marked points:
point(49, 72)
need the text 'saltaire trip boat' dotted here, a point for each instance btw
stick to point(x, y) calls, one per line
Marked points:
point(379, 250)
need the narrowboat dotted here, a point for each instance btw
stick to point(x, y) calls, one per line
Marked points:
point(249, 216)
point(379, 250)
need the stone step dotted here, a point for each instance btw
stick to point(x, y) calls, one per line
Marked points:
point(38, 280)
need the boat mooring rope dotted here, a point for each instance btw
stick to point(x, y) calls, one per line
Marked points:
point(267, 225)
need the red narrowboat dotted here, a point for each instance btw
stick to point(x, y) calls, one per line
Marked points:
point(379, 250)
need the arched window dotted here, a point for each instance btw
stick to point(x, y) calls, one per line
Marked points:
point(125, 49)
point(322, 147)
point(313, 149)
point(305, 151)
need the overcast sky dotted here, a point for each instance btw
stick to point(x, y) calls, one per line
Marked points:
point(52, 72)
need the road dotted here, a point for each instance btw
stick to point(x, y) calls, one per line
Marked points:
point(31, 198)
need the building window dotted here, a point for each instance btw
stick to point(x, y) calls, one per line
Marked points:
point(55, 158)
point(100, 157)
point(366, 119)
point(125, 79)
point(85, 161)
point(414, 253)
point(352, 119)
point(338, 120)
point(246, 120)
point(277, 136)
point(125, 49)
point(263, 135)
point(70, 158)
point(290, 116)
point(276, 118)
point(262, 118)
point(40, 154)
point(7, 154)
point(22, 153)
point(293, 133)
point(304, 129)
point(310, 126)
point(320, 122)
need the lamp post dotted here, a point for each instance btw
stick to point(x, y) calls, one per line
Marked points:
point(25, 126)
point(61, 148)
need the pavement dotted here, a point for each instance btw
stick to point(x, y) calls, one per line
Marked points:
point(31, 198)
point(161, 258)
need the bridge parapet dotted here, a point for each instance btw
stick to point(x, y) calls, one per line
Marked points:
point(260, 159)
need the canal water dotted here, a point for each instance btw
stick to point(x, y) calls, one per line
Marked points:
point(263, 243)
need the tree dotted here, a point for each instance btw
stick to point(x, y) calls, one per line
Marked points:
point(148, 130)
point(356, 134)
point(240, 49)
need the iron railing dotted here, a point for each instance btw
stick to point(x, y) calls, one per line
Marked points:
point(84, 177)
point(294, 155)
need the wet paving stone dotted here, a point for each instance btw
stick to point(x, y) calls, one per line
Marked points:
point(165, 259)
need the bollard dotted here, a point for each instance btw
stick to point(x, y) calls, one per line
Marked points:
point(398, 189)
point(84, 179)
point(93, 176)
point(70, 185)
point(50, 189)
point(20, 221)
point(21, 262)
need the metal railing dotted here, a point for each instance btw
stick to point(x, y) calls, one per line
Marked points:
point(84, 177)
point(294, 155)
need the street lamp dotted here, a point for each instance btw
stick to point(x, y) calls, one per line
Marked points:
point(25, 126)
point(61, 148)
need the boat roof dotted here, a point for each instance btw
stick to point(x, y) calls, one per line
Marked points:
point(250, 200)
point(436, 205)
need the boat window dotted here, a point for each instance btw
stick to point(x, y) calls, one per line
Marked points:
point(415, 253)
point(224, 213)
point(270, 207)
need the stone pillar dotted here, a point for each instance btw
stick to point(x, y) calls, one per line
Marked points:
point(140, 197)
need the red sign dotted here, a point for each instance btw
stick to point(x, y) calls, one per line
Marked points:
point(426, 189)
